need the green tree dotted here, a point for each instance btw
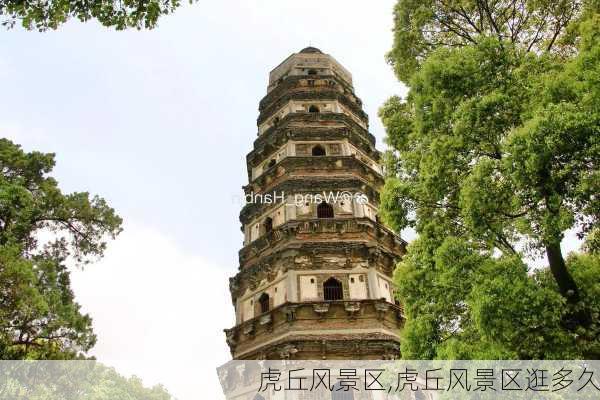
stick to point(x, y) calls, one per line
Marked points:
point(41, 229)
point(423, 26)
point(72, 380)
point(462, 303)
point(498, 144)
point(123, 14)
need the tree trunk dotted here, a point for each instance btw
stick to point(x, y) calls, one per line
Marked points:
point(567, 287)
point(566, 283)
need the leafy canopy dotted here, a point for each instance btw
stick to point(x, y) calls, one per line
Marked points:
point(495, 155)
point(423, 26)
point(465, 304)
point(122, 14)
point(42, 228)
point(73, 380)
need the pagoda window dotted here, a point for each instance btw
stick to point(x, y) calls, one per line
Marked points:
point(312, 72)
point(318, 150)
point(264, 303)
point(324, 210)
point(313, 109)
point(332, 290)
point(271, 163)
point(268, 224)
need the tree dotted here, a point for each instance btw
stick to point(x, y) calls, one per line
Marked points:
point(123, 14)
point(41, 229)
point(422, 26)
point(497, 143)
point(72, 380)
point(462, 303)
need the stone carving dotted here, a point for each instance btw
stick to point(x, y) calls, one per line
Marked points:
point(233, 285)
point(230, 337)
point(265, 319)
point(399, 317)
point(335, 149)
point(352, 308)
point(391, 351)
point(248, 329)
point(288, 351)
point(253, 282)
point(321, 309)
point(382, 308)
point(290, 312)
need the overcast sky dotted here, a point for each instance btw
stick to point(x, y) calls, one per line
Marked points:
point(159, 123)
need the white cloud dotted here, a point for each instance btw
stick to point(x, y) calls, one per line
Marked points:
point(158, 312)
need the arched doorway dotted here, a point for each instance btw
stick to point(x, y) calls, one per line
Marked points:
point(264, 303)
point(268, 224)
point(333, 290)
point(313, 109)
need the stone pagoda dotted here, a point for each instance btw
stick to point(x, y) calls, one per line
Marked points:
point(315, 273)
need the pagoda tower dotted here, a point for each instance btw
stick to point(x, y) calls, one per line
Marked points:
point(315, 273)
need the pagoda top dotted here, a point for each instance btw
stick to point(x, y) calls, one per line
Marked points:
point(308, 61)
point(311, 49)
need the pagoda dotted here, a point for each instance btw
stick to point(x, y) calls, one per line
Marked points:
point(315, 269)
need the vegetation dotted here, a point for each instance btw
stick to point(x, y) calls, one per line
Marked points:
point(41, 229)
point(122, 14)
point(495, 157)
point(50, 380)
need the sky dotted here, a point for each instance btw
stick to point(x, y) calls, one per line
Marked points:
point(159, 123)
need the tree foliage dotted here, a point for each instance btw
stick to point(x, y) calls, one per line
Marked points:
point(122, 14)
point(72, 380)
point(41, 229)
point(462, 303)
point(498, 144)
point(423, 26)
